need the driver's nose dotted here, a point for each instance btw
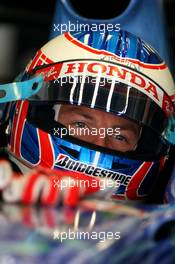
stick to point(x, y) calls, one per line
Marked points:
point(99, 141)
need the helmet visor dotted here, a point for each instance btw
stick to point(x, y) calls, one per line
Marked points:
point(106, 86)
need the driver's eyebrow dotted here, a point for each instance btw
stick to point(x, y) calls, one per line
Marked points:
point(74, 110)
point(129, 127)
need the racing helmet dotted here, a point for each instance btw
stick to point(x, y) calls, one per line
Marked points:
point(114, 72)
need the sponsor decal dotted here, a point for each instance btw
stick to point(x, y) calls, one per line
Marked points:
point(65, 162)
point(110, 71)
point(122, 74)
point(106, 70)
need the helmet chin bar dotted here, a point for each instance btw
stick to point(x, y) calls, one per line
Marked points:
point(133, 175)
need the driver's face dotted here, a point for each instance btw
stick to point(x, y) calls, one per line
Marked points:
point(88, 124)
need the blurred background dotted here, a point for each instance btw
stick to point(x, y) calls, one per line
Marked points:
point(26, 25)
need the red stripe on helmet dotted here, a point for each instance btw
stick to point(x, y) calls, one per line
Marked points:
point(39, 59)
point(136, 180)
point(46, 150)
point(18, 124)
point(14, 125)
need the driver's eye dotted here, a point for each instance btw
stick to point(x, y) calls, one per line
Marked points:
point(79, 124)
point(120, 138)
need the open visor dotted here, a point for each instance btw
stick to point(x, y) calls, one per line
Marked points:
point(106, 86)
point(20, 90)
point(17, 91)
